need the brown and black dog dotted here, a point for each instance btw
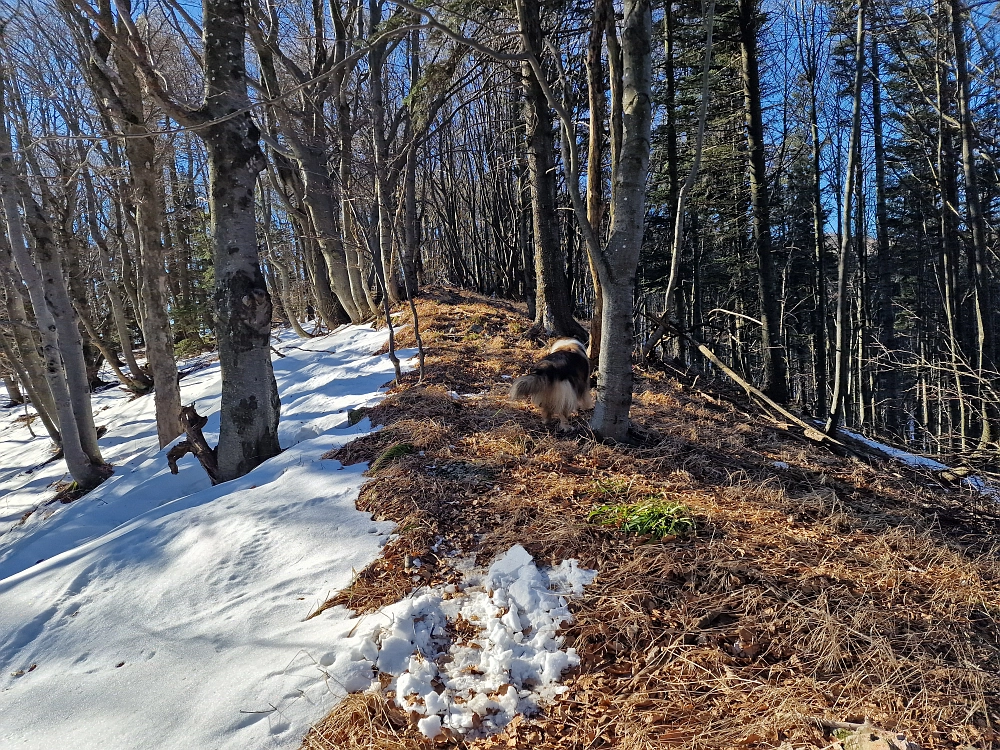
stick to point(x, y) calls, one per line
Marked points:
point(559, 384)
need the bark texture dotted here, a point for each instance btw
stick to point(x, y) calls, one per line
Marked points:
point(248, 433)
point(621, 257)
point(553, 306)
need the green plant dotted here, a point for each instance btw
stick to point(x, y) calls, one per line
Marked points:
point(390, 454)
point(612, 486)
point(654, 516)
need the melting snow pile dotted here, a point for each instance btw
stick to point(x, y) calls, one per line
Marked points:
point(468, 659)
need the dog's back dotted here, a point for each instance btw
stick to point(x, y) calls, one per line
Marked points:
point(570, 364)
point(559, 384)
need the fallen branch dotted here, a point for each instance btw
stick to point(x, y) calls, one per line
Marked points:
point(810, 432)
point(196, 444)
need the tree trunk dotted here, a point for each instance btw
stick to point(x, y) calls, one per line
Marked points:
point(141, 153)
point(411, 218)
point(843, 341)
point(250, 405)
point(87, 472)
point(597, 96)
point(384, 187)
point(681, 195)
point(138, 380)
point(820, 338)
point(619, 261)
point(553, 306)
point(982, 298)
point(888, 375)
point(775, 384)
point(25, 345)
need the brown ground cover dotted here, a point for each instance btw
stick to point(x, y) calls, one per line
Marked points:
point(814, 589)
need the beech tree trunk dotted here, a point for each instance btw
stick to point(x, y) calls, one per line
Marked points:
point(78, 449)
point(250, 405)
point(122, 99)
point(138, 381)
point(621, 257)
point(24, 354)
point(156, 319)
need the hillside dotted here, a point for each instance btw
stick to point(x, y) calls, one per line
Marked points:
point(813, 593)
point(723, 582)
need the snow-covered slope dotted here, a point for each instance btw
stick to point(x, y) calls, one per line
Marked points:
point(160, 612)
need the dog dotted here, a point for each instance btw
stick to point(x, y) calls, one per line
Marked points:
point(559, 384)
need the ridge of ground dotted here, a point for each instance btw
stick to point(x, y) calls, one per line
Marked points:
point(816, 590)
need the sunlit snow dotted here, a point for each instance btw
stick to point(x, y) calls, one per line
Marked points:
point(161, 612)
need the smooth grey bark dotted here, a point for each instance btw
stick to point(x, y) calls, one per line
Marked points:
point(352, 239)
point(47, 258)
point(384, 182)
point(13, 389)
point(283, 283)
point(318, 197)
point(26, 350)
point(24, 354)
point(250, 404)
point(618, 263)
point(86, 471)
point(138, 380)
point(156, 321)
point(122, 98)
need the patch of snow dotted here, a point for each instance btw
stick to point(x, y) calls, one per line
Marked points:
point(159, 611)
point(510, 661)
point(779, 464)
point(922, 462)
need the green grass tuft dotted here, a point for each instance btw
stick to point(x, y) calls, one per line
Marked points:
point(390, 454)
point(655, 517)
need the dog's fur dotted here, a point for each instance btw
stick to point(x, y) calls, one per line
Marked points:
point(559, 384)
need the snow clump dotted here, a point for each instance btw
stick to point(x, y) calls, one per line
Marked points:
point(465, 661)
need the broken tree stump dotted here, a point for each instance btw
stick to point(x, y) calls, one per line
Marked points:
point(193, 422)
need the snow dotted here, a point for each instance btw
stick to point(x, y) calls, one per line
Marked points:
point(510, 665)
point(158, 611)
point(922, 462)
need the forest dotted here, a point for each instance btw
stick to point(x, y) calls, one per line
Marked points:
point(803, 195)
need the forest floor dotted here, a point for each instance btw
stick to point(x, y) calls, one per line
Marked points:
point(813, 591)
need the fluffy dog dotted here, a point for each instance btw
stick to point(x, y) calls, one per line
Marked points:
point(559, 384)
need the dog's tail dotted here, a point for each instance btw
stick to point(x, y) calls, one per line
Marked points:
point(526, 387)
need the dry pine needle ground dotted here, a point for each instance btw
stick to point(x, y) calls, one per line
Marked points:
point(815, 587)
